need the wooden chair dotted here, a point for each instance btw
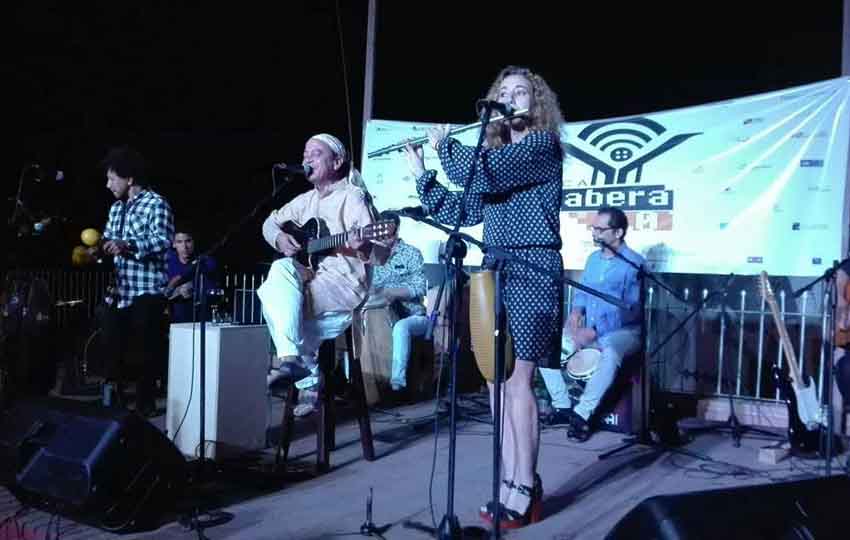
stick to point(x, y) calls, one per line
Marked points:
point(324, 415)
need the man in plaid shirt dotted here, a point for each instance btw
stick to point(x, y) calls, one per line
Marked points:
point(138, 232)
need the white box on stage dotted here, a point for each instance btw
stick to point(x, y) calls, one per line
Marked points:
point(236, 364)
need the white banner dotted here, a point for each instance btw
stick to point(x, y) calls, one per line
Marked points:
point(744, 185)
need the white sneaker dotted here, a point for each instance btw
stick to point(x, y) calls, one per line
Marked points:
point(309, 381)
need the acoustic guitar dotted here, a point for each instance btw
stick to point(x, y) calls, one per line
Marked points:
point(317, 242)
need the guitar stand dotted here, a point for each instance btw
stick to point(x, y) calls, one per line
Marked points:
point(736, 428)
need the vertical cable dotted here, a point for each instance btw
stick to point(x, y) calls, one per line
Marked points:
point(345, 78)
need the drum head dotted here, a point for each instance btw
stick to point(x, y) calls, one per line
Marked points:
point(583, 363)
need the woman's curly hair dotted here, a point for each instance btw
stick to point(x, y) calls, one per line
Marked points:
point(545, 113)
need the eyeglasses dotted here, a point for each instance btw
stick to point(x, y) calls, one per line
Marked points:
point(601, 229)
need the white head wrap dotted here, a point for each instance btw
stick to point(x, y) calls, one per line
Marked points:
point(338, 149)
point(333, 143)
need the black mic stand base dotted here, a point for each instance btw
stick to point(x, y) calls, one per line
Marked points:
point(658, 448)
point(449, 529)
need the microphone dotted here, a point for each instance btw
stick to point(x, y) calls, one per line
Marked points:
point(412, 211)
point(304, 170)
point(505, 109)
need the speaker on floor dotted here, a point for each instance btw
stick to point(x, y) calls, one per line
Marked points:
point(107, 467)
point(806, 510)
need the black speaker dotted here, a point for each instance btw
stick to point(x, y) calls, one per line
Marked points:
point(805, 510)
point(107, 467)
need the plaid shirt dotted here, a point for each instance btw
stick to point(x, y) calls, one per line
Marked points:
point(405, 269)
point(148, 227)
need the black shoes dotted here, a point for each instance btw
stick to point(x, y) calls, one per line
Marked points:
point(578, 429)
point(558, 417)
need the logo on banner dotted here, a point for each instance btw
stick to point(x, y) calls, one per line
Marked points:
point(616, 152)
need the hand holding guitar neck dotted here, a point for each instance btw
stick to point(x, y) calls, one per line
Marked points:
point(313, 239)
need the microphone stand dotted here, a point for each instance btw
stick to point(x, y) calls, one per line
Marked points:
point(449, 527)
point(829, 375)
point(199, 298)
point(18, 201)
point(644, 437)
point(502, 256)
point(731, 423)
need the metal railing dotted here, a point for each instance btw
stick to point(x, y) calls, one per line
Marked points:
point(729, 347)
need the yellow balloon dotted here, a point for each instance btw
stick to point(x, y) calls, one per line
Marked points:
point(90, 237)
point(80, 256)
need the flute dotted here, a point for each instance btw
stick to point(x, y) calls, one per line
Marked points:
point(455, 131)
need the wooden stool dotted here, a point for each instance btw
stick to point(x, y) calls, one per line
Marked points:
point(324, 414)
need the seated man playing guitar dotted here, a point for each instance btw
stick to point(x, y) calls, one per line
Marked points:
point(307, 300)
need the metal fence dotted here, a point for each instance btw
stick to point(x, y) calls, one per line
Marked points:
point(728, 347)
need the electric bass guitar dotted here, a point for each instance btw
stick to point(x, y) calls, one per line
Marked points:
point(798, 392)
point(316, 240)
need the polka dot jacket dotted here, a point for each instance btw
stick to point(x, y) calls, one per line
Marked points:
point(516, 193)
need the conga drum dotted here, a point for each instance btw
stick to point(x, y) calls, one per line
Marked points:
point(373, 331)
point(482, 325)
point(467, 375)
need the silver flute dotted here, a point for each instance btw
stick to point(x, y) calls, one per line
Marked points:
point(454, 131)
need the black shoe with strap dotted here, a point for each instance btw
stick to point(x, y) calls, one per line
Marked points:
point(533, 512)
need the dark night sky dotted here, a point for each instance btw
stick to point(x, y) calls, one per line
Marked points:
point(214, 95)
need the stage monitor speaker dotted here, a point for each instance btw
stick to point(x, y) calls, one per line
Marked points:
point(806, 510)
point(107, 467)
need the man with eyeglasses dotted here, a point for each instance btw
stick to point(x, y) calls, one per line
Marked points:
point(594, 323)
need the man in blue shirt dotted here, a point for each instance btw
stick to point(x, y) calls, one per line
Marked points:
point(594, 323)
point(181, 267)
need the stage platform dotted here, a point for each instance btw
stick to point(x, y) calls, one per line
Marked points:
point(584, 497)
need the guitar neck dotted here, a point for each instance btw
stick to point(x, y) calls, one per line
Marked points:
point(787, 347)
point(327, 242)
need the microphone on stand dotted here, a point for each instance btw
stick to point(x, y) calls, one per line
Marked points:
point(303, 170)
point(505, 109)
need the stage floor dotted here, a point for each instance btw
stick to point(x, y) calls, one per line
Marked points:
point(584, 497)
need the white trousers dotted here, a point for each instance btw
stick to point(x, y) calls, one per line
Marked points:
point(294, 333)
